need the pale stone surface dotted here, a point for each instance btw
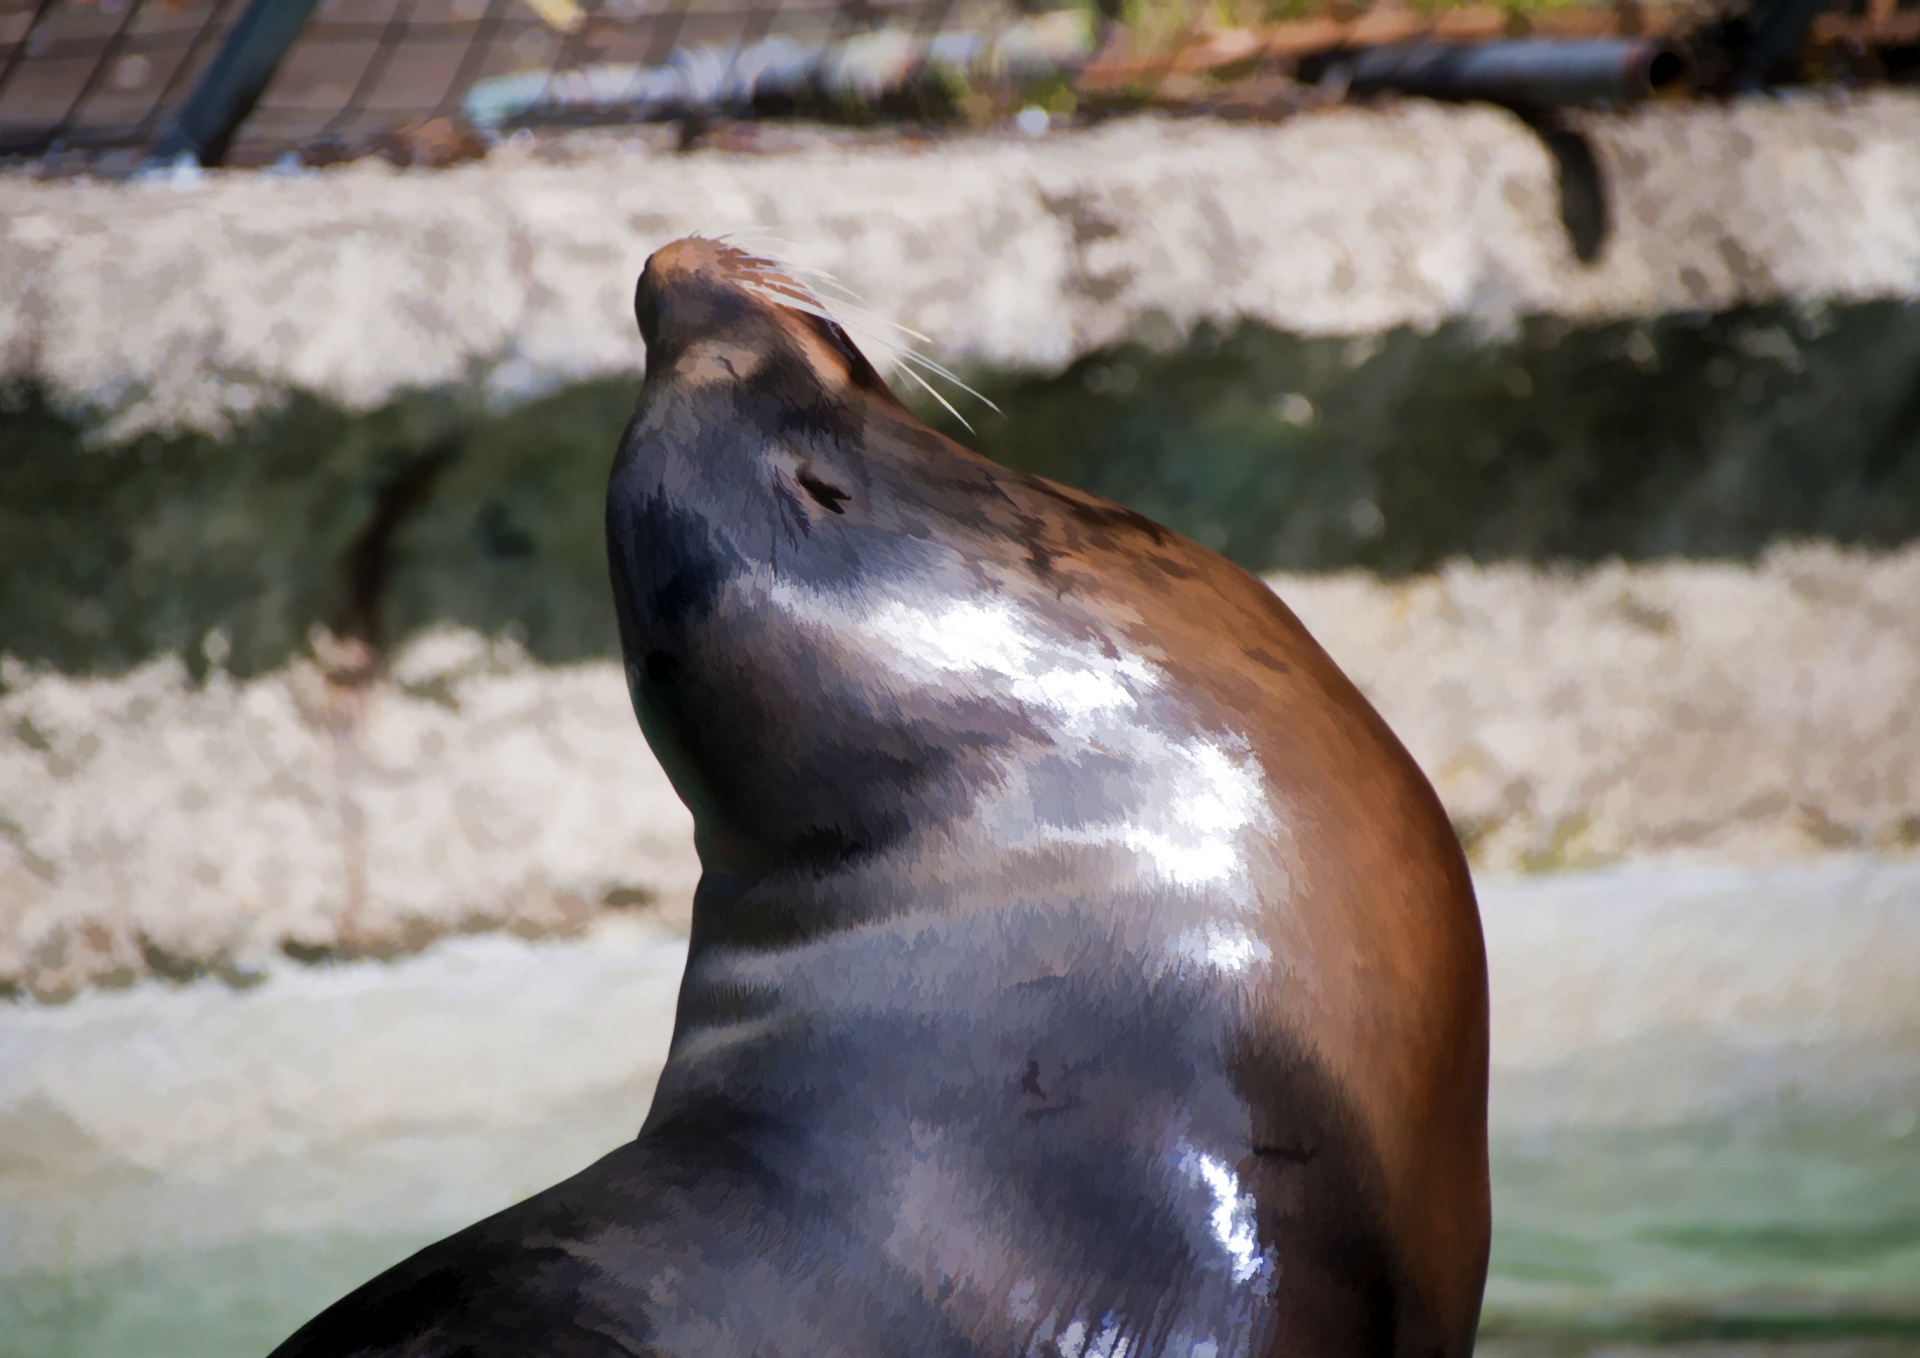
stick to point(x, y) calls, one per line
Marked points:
point(1695, 710)
point(438, 1088)
point(184, 303)
point(1710, 710)
point(1667, 992)
point(152, 822)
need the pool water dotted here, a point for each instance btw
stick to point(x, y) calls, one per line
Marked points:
point(1804, 1229)
point(1706, 1114)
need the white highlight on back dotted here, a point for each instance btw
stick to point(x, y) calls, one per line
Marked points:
point(1108, 1342)
point(1232, 1215)
point(990, 639)
point(1224, 947)
point(1219, 797)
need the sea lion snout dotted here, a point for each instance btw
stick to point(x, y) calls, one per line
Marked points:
point(697, 292)
point(691, 288)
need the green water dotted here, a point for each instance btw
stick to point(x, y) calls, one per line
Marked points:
point(1777, 1225)
point(1799, 1234)
point(1703, 436)
point(236, 1301)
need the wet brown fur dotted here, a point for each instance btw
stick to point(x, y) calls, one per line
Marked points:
point(1380, 968)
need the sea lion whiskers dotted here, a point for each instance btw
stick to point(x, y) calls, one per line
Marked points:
point(781, 282)
point(809, 276)
point(906, 353)
point(909, 358)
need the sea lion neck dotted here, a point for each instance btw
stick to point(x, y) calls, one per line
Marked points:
point(849, 639)
point(760, 486)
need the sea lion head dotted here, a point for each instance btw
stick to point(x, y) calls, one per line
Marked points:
point(851, 640)
point(732, 309)
point(771, 498)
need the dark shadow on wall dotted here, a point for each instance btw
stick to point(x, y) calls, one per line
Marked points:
point(1710, 436)
point(374, 525)
point(1701, 436)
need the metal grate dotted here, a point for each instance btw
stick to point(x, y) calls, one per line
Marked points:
point(107, 78)
point(109, 75)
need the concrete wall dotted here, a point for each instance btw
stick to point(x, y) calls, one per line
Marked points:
point(184, 301)
point(1629, 713)
point(153, 823)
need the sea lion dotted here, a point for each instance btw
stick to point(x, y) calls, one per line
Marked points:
point(1080, 966)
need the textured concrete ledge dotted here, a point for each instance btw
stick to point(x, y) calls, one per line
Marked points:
point(149, 824)
point(176, 303)
point(1570, 719)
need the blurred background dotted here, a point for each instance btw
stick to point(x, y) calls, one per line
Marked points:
point(1559, 363)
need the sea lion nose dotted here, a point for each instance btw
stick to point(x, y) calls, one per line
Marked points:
point(687, 287)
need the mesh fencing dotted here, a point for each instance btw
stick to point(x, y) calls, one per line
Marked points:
point(103, 80)
point(107, 75)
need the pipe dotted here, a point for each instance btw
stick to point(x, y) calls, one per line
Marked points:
point(1525, 73)
point(236, 78)
point(777, 71)
point(1781, 27)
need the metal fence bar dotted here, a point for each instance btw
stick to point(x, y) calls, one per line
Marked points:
point(1780, 28)
point(477, 47)
point(20, 48)
point(572, 42)
point(391, 36)
point(179, 74)
point(759, 23)
point(667, 32)
point(108, 52)
point(234, 82)
point(933, 19)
